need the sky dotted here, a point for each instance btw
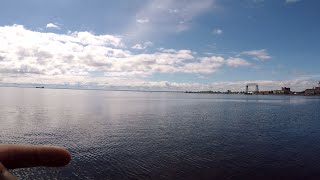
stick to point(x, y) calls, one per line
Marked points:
point(183, 45)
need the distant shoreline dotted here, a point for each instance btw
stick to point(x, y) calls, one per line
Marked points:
point(271, 94)
point(159, 91)
point(90, 89)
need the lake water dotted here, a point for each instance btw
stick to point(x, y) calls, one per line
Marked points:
point(144, 135)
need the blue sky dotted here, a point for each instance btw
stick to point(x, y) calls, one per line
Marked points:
point(160, 44)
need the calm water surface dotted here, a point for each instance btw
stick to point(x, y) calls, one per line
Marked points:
point(141, 135)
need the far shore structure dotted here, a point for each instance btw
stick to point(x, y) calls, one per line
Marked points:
point(252, 84)
point(315, 91)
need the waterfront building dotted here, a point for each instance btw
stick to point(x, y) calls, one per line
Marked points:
point(309, 92)
point(264, 92)
point(317, 89)
point(286, 90)
point(278, 92)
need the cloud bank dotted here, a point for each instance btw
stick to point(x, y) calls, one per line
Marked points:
point(24, 51)
point(104, 61)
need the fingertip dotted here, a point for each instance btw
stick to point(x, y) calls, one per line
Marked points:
point(62, 156)
point(66, 156)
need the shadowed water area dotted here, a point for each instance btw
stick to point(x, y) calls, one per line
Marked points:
point(144, 135)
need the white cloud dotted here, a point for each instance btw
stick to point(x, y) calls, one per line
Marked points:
point(51, 25)
point(258, 54)
point(217, 31)
point(142, 46)
point(292, 1)
point(142, 20)
point(77, 57)
point(237, 62)
point(206, 65)
point(87, 38)
point(81, 53)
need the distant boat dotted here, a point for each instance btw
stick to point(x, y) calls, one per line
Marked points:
point(40, 87)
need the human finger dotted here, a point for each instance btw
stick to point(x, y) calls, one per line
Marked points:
point(23, 156)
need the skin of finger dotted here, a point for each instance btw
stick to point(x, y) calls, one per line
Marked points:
point(21, 156)
point(5, 174)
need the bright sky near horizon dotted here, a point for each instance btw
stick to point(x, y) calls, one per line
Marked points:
point(160, 44)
